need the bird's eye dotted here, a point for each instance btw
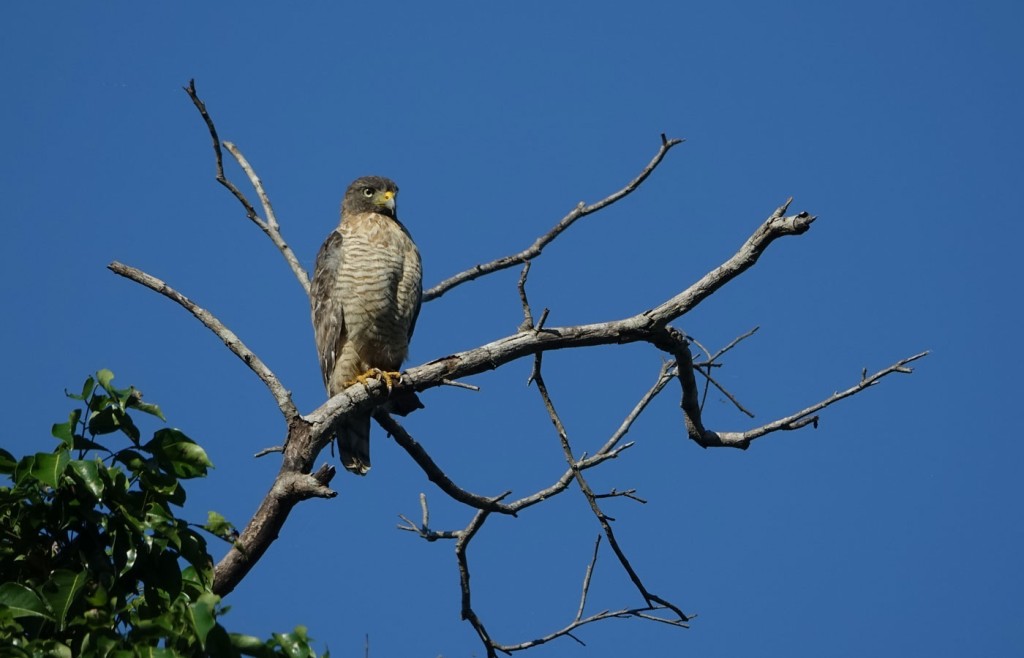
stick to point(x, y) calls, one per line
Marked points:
point(367, 191)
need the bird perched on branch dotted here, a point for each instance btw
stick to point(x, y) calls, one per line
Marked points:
point(365, 296)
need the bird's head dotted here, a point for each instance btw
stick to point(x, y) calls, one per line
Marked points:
point(371, 194)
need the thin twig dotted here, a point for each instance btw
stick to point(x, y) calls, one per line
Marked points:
point(455, 384)
point(527, 315)
point(269, 226)
point(628, 493)
point(423, 529)
point(586, 579)
point(581, 210)
point(705, 370)
point(625, 613)
point(727, 394)
point(735, 341)
point(805, 417)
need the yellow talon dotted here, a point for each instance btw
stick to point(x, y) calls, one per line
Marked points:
point(390, 378)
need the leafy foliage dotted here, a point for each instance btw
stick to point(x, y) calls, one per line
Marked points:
point(94, 562)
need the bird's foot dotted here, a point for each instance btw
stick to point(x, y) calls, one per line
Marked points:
point(389, 377)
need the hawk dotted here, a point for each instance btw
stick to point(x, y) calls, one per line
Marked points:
point(365, 296)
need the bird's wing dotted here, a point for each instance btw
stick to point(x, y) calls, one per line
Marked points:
point(326, 305)
point(417, 302)
point(411, 285)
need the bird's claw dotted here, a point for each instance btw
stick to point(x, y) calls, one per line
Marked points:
point(389, 377)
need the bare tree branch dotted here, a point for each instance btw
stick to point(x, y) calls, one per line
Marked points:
point(308, 434)
point(649, 597)
point(433, 472)
point(675, 343)
point(527, 314)
point(423, 529)
point(233, 342)
point(289, 489)
point(711, 380)
point(468, 614)
point(581, 210)
point(628, 493)
point(733, 343)
point(268, 226)
point(586, 580)
point(625, 613)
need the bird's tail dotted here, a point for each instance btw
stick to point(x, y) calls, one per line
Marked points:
point(354, 444)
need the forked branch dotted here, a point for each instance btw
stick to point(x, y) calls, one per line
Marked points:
point(269, 225)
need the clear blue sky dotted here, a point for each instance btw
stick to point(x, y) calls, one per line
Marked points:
point(893, 529)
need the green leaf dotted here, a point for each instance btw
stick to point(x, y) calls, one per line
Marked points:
point(202, 616)
point(24, 468)
point(66, 431)
point(99, 596)
point(129, 428)
point(248, 644)
point(135, 462)
point(7, 462)
point(154, 652)
point(83, 444)
point(88, 387)
point(219, 526)
point(105, 421)
point(97, 402)
point(130, 556)
point(193, 549)
point(104, 377)
point(135, 402)
point(87, 474)
point(178, 453)
point(110, 419)
point(157, 481)
point(22, 601)
point(48, 466)
point(161, 571)
point(60, 591)
point(295, 643)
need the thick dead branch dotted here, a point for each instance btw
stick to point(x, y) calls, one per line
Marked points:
point(534, 250)
point(289, 489)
